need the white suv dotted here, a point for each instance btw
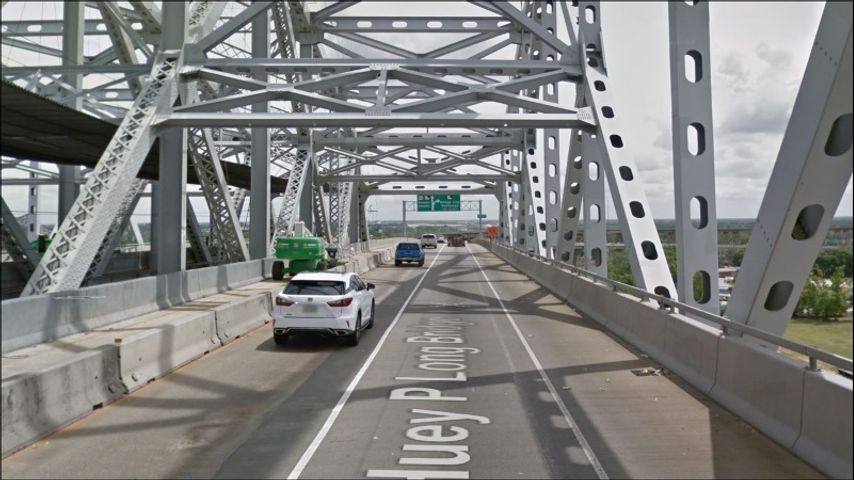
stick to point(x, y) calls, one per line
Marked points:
point(429, 240)
point(337, 304)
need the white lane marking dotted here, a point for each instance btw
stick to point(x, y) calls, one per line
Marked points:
point(591, 457)
point(324, 430)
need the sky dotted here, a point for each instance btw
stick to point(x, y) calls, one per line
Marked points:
point(758, 55)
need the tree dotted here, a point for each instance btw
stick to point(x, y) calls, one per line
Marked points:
point(827, 302)
point(618, 267)
point(831, 259)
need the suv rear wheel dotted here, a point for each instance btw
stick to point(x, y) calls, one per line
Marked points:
point(373, 315)
point(353, 339)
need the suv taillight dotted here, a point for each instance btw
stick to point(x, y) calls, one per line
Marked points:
point(282, 302)
point(344, 302)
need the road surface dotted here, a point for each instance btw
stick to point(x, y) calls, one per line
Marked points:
point(472, 371)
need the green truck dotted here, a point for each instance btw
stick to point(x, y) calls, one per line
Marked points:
point(303, 254)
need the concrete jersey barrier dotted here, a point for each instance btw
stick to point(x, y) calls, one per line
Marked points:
point(45, 318)
point(46, 387)
point(809, 413)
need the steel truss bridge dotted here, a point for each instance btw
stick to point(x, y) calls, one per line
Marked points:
point(326, 102)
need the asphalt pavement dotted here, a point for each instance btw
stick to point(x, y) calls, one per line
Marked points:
point(471, 371)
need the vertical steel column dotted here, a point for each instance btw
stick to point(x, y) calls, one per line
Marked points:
point(480, 216)
point(170, 191)
point(515, 197)
point(33, 224)
point(259, 194)
point(353, 226)
point(364, 233)
point(503, 212)
point(306, 200)
point(693, 156)
point(526, 228)
point(595, 225)
point(643, 246)
point(551, 141)
point(572, 195)
point(73, 29)
point(812, 170)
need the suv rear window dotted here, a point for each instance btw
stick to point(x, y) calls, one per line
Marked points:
point(428, 235)
point(314, 287)
point(408, 246)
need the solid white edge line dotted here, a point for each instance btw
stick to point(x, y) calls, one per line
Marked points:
point(324, 430)
point(591, 456)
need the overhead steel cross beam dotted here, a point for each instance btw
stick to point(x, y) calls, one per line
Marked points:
point(463, 94)
point(579, 120)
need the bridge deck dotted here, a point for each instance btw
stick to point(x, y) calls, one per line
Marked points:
point(553, 399)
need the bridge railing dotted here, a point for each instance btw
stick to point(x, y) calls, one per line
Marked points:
point(813, 353)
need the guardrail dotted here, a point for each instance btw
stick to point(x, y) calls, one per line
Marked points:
point(814, 353)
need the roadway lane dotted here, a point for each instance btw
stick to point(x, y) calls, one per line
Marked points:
point(474, 379)
point(187, 423)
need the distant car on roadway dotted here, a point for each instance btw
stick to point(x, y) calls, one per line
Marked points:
point(429, 240)
point(409, 252)
point(457, 241)
point(441, 239)
point(336, 304)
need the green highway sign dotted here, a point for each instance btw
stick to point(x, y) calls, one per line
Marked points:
point(438, 203)
point(481, 215)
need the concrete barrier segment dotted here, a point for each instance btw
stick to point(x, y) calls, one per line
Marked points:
point(238, 318)
point(40, 401)
point(691, 351)
point(150, 353)
point(825, 440)
point(44, 318)
point(761, 386)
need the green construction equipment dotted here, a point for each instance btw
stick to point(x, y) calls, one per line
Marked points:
point(303, 254)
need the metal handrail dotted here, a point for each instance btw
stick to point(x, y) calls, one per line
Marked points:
point(811, 351)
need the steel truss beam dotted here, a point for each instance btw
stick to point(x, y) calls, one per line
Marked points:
point(649, 265)
point(416, 178)
point(198, 247)
point(16, 244)
point(432, 120)
point(289, 212)
point(693, 169)
point(321, 221)
point(123, 43)
point(117, 228)
point(75, 244)
point(813, 167)
point(225, 224)
point(398, 190)
point(527, 235)
point(595, 224)
point(573, 190)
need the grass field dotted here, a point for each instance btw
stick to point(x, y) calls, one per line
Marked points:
point(831, 336)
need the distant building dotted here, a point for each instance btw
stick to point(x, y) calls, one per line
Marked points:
point(725, 273)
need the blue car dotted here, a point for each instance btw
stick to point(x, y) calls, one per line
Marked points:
point(409, 252)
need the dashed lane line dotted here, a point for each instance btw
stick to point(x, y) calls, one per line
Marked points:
point(324, 430)
point(582, 441)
